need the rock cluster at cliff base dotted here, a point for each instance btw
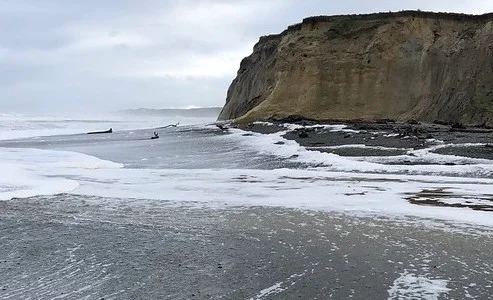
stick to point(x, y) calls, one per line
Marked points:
point(404, 66)
point(384, 138)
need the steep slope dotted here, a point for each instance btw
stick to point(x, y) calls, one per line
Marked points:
point(406, 65)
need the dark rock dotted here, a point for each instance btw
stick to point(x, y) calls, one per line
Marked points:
point(384, 121)
point(440, 122)
point(302, 134)
point(458, 126)
point(296, 119)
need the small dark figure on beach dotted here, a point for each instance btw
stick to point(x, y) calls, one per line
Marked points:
point(156, 135)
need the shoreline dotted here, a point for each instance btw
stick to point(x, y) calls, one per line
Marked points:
point(196, 240)
point(396, 143)
point(469, 142)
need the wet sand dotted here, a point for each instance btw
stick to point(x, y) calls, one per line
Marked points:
point(75, 247)
point(386, 139)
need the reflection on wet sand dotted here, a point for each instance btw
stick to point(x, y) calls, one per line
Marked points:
point(445, 198)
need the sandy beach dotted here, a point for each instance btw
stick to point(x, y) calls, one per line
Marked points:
point(73, 247)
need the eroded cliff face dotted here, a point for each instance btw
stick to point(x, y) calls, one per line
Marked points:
point(402, 66)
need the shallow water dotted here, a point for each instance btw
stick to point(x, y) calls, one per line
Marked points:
point(78, 247)
point(232, 167)
point(195, 206)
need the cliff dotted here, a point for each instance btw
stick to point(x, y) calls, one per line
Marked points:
point(407, 65)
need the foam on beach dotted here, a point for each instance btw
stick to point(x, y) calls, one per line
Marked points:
point(329, 183)
point(32, 172)
point(358, 194)
point(412, 286)
point(426, 162)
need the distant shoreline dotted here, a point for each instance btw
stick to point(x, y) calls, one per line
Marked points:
point(185, 112)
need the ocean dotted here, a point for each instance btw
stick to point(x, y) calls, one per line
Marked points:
point(76, 196)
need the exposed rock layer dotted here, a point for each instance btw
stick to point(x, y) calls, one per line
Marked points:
point(401, 66)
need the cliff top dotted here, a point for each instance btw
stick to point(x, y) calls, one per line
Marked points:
point(382, 15)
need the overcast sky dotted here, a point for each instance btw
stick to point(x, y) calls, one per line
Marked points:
point(82, 55)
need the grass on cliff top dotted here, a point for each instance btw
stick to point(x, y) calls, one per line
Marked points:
point(344, 26)
point(348, 27)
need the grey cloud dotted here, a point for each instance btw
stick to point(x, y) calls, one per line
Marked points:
point(88, 54)
point(114, 94)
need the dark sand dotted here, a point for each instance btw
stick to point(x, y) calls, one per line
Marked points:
point(396, 137)
point(94, 248)
point(75, 247)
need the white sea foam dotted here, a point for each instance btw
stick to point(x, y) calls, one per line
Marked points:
point(31, 172)
point(384, 194)
point(431, 163)
point(18, 182)
point(275, 289)
point(341, 184)
point(304, 189)
point(412, 286)
point(359, 146)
